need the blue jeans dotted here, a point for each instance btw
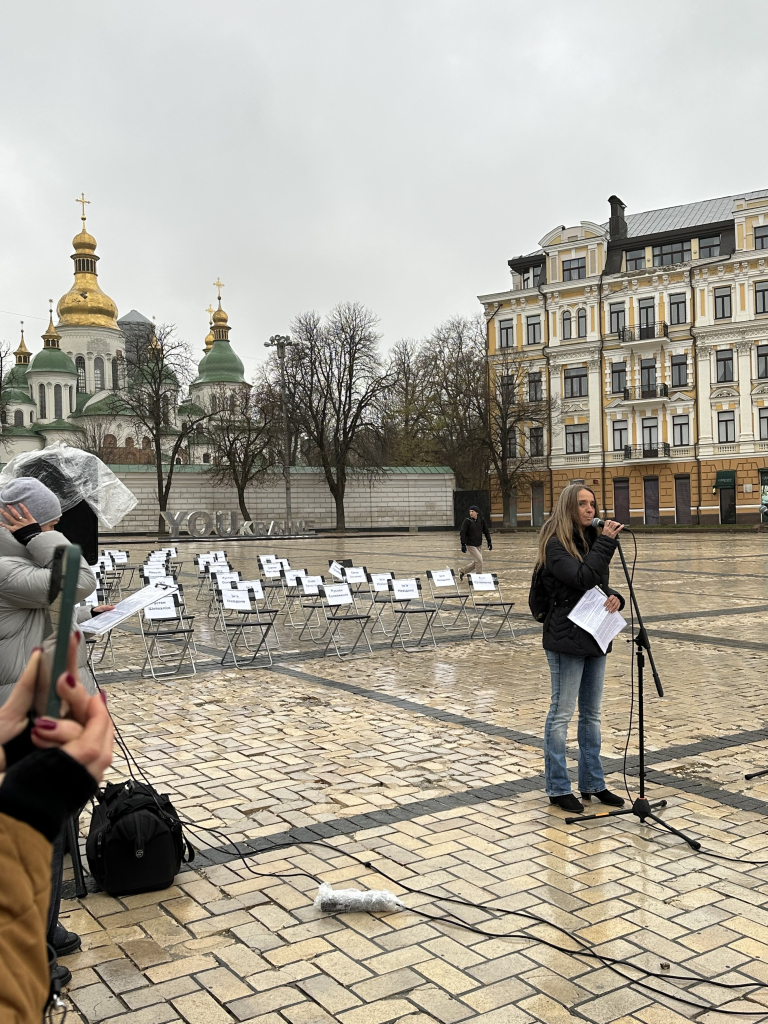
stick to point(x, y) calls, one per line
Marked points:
point(574, 678)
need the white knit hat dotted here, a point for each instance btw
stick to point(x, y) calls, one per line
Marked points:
point(40, 501)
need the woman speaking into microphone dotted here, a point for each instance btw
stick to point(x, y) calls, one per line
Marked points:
point(576, 556)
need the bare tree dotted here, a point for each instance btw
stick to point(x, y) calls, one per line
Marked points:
point(334, 379)
point(6, 362)
point(243, 437)
point(406, 418)
point(155, 376)
point(514, 413)
point(98, 434)
point(456, 374)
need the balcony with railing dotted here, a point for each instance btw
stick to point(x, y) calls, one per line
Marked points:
point(641, 452)
point(644, 332)
point(646, 393)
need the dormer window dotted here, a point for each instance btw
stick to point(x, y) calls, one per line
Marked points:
point(531, 277)
point(761, 238)
point(671, 253)
point(636, 259)
point(575, 270)
point(709, 247)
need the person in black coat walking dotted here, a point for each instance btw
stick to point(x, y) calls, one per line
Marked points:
point(576, 557)
point(471, 537)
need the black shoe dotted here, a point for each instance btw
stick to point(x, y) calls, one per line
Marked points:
point(568, 802)
point(61, 975)
point(70, 944)
point(605, 796)
point(461, 575)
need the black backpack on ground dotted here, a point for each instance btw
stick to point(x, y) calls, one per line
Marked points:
point(538, 598)
point(135, 842)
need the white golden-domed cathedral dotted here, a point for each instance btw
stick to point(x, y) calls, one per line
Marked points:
point(60, 392)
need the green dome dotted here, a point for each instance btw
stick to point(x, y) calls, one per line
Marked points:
point(220, 366)
point(15, 396)
point(17, 377)
point(53, 360)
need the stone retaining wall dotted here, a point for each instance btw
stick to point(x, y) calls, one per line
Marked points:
point(405, 497)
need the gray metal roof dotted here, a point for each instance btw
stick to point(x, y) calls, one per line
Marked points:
point(134, 317)
point(670, 218)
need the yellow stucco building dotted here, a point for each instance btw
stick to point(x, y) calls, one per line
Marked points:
point(649, 336)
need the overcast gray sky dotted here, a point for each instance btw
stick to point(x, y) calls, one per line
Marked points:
point(395, 152)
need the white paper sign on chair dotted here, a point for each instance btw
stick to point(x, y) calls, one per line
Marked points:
point(380, 581)
point(336, 570)
point(310, 584)
point(236, 600)
point(338, 593)
point(405, 590)
point(292, 575)
point(355, 574)
point(271, 570)
point(482, 580)
point(443, 578)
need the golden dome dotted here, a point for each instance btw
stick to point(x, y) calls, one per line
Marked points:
point(220, 317)
point(85, 304)
point(22, 353)
point(51, 338)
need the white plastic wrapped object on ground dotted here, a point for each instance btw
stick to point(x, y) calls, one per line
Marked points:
point(355, 901)
point(74, 476)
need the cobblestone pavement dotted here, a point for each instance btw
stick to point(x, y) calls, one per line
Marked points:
point(422, 773)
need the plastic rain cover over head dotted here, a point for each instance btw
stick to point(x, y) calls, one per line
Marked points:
point(74, 475)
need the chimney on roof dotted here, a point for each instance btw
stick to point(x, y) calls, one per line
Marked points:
point(617, 226)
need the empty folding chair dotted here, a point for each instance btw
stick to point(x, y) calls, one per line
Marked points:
point(167, 634)
point(407, 600)
point(443, 589)
point(314, 625)
point(244, 621)
point(378, 596)
point(292, 594)
point(487, 599)
point(336, 597)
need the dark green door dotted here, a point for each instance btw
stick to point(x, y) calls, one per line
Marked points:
point(727, 505)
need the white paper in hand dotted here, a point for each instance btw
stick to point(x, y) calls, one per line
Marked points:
point(590, 613)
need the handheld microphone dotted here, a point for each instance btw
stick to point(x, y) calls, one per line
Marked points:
point(598, 522)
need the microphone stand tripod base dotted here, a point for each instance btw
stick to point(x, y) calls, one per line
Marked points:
point(642, 808)
point(756, 775)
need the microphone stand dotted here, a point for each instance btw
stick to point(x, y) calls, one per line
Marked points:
point(642, 808)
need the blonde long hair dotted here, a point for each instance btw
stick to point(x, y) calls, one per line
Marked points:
point(565, 516)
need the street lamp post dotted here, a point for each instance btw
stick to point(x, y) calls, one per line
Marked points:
point(280, 342)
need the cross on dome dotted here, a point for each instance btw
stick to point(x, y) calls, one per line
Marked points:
point(84, 202)
point(218, 283)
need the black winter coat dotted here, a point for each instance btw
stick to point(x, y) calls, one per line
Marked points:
point(472, 531)
point(567, 580)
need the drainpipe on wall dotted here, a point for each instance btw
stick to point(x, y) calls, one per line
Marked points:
point(549, 396)
point(488, 385)
point(696, 400)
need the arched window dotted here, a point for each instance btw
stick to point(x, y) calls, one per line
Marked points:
point(178, 462)
point(115, 376)
point(146, 443)
point(166, 411)
point(3, 415)
point(566, 325)
point(41, 402)
point(31, 417)
point(98, 373)
point(80, 365)
point(206, 456)
point(18, 418)
point(58, 407)
point(214, 404)
point(110, 441)
point(582, 321)
point(71, 399)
